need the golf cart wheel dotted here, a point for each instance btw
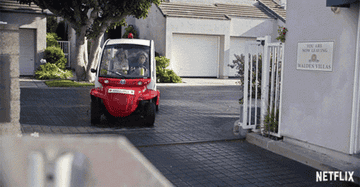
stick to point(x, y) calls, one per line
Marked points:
point(95, 111)
point(149, 114)
point(108, 116)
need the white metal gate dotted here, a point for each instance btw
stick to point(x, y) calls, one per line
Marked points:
point(65, 46)
point(261, 107)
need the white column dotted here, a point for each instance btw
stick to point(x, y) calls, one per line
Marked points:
point(265, 81)
point(224, 56)
point(354, 128)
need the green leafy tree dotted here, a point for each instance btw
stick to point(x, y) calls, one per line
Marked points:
point(51, 24)
point(91, 18)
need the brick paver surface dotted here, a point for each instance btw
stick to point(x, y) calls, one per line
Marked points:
point(191, 142)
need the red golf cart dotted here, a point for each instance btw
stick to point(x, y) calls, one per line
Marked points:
point(125, 81)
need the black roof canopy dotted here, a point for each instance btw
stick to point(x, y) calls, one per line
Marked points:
point(339, 3)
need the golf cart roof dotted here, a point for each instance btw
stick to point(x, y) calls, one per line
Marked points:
point(128, 41)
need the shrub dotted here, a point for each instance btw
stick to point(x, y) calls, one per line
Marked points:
point(51, 40)
point(165, 75)
point(51, 71)
point(271, 121)
point(173, 76)
point(55, 56)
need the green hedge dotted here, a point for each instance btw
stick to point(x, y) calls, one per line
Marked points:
point(56, 61)
point(51, 40)
point(67, 83)
point(165, 75)
point(51, 71)
point(55, 56)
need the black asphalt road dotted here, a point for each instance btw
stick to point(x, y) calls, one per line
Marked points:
point(191, 143)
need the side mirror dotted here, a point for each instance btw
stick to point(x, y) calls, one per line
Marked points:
point(93, 70)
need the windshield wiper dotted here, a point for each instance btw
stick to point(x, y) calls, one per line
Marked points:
point(117, 73)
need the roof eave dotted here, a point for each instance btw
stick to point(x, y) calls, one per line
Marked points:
point(160, 10)
point(46, 13)
point(272, 12)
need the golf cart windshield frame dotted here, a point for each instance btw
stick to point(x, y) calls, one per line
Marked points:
point(126, 61)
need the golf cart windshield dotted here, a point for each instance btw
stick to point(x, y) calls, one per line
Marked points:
point(125, 61)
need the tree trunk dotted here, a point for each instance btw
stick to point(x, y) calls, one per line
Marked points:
point(95, 49)
point(93, 57)
point(80, 51)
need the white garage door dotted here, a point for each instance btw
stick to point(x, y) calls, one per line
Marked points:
point(237, 46)
point(27, 51)
point(195, 55)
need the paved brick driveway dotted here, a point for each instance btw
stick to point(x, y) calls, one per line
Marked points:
point(186, 114)
point(191, 143)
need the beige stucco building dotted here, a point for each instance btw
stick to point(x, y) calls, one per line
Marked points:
point(32, 32)
point(320, 97)
point(201, 37)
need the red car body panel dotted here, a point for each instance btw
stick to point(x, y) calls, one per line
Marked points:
point(122, 99)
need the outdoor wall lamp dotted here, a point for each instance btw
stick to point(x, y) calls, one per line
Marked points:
point(336, 10)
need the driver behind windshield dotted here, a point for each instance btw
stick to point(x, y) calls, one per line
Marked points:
point(121, 63)
point(140, 67)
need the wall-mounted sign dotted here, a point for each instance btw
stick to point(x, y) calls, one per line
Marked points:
point(315, 56)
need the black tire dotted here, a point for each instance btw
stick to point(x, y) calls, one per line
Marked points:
point(149, 114)
point(95, 111)
point(157, 106)
point(109, 117)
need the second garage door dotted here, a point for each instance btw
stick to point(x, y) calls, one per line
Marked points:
point(27, 51)
point(195, 55)
point(237, 46)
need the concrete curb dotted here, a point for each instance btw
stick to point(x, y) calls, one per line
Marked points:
point(308, 157)
point(26, 82)
point(31, 83)
point(186, 84)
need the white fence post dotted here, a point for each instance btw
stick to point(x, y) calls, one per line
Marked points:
point(281, 85)
point(246, 85)
point(265, 82)
point(271, 85)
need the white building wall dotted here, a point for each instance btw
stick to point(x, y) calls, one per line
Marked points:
point(151, 28)
point(253, 27)
point(30, 21)
point(237, 27)
point(203, 27)
point(237, 47)
point(162, 29)
point(316, 105)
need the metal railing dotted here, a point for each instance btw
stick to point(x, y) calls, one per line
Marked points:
point(272, 69)
point(262, 77)
point(65, 46)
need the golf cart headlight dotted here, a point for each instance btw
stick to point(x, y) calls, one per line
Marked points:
point(139, 83)
point(106, 81)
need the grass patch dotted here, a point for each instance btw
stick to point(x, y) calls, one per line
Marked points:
point(67, 83)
